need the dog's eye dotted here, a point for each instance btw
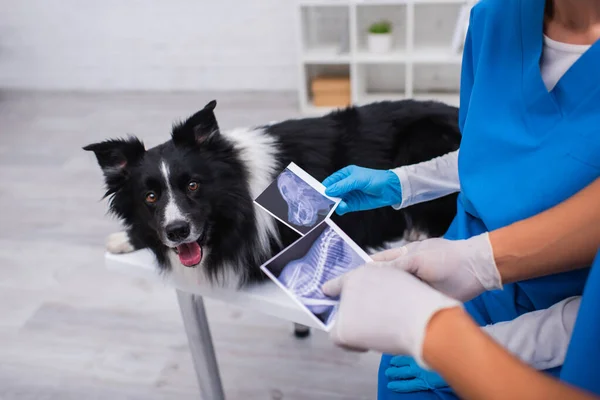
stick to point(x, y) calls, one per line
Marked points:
point(192, 186)
point(151, 197)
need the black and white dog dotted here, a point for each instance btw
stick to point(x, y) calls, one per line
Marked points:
point(190, 199)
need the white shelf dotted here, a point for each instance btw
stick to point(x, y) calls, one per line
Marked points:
point(325, 55)
point(423, 54)
point(432, 55)
point(394, 57)
point(435, 55)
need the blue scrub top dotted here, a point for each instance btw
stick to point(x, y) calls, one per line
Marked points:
point(524, 149)
point(583, 356)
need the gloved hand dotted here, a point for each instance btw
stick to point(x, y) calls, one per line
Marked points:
point(539, 338)
point(363, 188)
point(406, 376)
point(462, 269)
point(371, 316)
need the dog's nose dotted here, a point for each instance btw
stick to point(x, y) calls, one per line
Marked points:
point(177, 231)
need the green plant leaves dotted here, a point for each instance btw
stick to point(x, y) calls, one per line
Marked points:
point(380, 27)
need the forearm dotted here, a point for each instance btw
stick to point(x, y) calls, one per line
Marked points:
point(539, 338)
point(562, 238)
point(428, 180)
point(486, 371)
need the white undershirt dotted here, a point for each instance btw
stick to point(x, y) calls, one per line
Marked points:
point(557, 58)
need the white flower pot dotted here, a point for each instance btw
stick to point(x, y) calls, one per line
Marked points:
point(379, 42)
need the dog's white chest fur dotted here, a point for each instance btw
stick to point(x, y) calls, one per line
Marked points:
point(258, 151)
point(188, 277)
point(118, 243)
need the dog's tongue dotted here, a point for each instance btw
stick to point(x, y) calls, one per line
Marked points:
point(190, 254)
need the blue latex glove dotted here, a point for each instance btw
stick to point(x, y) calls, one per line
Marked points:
point(363, 188)
point(406, 376)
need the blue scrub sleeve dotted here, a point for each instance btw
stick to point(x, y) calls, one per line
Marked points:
point(581, 364)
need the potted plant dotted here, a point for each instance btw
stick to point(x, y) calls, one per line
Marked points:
point(379, 39)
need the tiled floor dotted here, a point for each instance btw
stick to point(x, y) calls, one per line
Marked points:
point(69, 329)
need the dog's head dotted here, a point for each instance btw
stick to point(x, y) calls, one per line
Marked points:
point(173, 195)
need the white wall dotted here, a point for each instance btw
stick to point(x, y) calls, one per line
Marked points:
point(158, 45)
point(148, 44)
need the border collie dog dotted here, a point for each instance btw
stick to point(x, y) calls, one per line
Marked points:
point(190, 199)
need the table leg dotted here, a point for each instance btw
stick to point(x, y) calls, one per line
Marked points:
point(301, 331)
point(201, 345)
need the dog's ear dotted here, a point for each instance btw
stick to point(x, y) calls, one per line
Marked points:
point(197, 129)
point(115, 157)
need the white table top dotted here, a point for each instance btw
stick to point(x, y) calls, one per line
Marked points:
point(265, 297)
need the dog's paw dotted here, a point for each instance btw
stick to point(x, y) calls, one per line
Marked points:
point(118, 243)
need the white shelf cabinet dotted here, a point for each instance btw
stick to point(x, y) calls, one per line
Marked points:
point(424, 63)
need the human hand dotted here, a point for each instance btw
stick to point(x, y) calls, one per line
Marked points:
point(363, 188)
point(405, 376)
point(462, 269)
point(372, 316)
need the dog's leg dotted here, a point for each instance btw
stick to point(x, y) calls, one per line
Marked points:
point(301, 331)
point(119, 243)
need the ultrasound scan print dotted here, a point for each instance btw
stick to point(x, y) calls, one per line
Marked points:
point(306, 206)
point(329, 256)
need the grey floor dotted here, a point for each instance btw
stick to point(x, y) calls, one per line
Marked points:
point(69, 329)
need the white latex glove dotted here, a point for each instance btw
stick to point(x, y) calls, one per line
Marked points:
point(539, 338)
point(384, 309)
point(462, 269)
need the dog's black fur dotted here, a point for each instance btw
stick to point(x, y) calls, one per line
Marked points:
point(381, 135)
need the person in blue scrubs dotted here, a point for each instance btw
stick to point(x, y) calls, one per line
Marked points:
point(436, 331)
point(530, 119)
point(439, 334)
point(581, 365)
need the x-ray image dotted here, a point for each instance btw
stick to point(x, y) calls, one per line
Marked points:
point(297, 199)
point(304, 267)
point(305, 205)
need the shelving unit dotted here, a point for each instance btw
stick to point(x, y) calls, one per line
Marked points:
point(422, 64)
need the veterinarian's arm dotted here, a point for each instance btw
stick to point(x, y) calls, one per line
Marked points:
point(436, 331)
point(563, 238)
point(486, 370)
point(539, 338)
point(365, 188)
point(428, 180)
